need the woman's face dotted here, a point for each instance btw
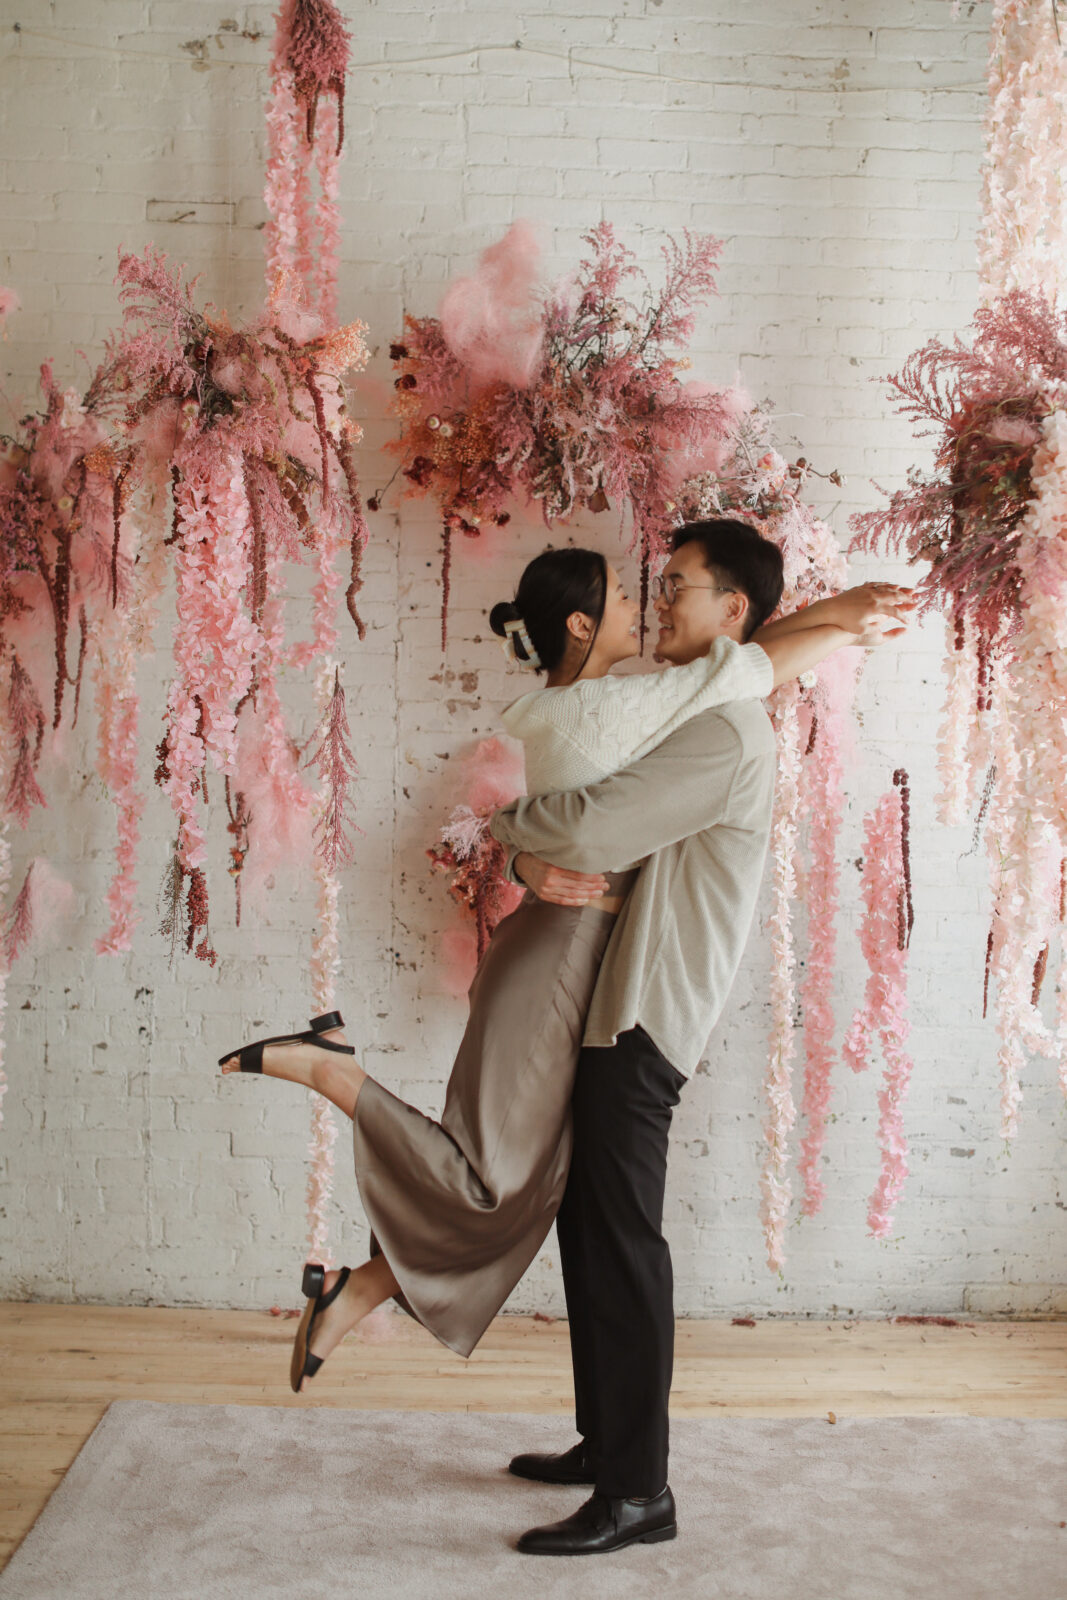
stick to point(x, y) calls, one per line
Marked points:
point(617, 639)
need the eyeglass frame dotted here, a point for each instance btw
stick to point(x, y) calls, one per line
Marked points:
point(659, 589)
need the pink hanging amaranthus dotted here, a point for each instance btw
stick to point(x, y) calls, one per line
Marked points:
point(885, 935)
point(990, 523)
point(750, 480)
point(568, 397)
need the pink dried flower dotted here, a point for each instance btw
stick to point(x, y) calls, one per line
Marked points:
point(337, 771)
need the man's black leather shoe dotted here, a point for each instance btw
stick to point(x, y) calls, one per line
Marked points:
point(573, 1466)
point(603, 1524)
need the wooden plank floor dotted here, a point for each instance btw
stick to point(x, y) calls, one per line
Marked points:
point(62, 1366)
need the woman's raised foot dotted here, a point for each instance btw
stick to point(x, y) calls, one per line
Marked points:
point(337, 1077)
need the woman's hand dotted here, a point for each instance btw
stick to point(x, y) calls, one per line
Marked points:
point(876, 632)
point(556, 884)
point(858, 610)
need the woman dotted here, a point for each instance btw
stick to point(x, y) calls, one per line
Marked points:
point(459, 1208)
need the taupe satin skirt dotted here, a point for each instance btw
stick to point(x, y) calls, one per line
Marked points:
point(460, 1207)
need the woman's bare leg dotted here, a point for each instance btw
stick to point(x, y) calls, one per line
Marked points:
point(337, 1078)
point(368, 1286)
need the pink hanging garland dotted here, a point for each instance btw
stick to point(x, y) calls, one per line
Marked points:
point(822, 801)
point(884, 939)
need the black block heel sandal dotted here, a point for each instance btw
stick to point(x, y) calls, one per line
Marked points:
point(304, 1364)
point(250, 1056)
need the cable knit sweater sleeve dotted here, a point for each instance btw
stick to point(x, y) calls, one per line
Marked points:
point(579, 734)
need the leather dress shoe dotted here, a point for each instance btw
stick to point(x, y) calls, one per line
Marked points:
point(604, 1524)
point(573, 1466)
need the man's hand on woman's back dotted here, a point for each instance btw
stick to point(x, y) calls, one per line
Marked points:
point(556, 884)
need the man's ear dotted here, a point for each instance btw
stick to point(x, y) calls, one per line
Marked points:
point(737, 607)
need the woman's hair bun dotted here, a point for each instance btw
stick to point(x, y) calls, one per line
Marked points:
point(504, 611)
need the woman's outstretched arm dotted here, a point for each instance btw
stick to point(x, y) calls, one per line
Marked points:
point(800, 641)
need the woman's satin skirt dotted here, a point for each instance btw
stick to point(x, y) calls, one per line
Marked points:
point(460, 1207)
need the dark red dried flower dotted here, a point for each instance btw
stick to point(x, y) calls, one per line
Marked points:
point(313, 43)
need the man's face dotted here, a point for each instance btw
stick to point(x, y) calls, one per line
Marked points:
point(701, 611)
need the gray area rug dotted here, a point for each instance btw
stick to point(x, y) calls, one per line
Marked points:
point(242, 1502)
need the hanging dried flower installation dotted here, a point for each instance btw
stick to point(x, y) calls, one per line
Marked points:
point(475, 862)
point(305, 131)
point(885, 935)
point(750, 480)
point(989, 523)
point(250, 426)
point(569, 396)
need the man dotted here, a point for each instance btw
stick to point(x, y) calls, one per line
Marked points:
point(698, 807)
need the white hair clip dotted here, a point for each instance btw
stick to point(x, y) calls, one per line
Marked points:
point(533, 660)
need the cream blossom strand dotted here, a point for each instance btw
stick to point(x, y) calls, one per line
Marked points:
point(325, 965)
point(1022, 241)
point(822, 799)
point(1028, 830)
point(779, 1108)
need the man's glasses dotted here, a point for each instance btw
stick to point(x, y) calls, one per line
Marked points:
point(668, 588)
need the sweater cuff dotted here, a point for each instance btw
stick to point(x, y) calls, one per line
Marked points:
point(761, 667)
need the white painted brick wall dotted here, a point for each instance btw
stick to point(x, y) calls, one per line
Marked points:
point(838, 157)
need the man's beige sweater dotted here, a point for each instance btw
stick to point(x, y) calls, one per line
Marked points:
point(699, 808)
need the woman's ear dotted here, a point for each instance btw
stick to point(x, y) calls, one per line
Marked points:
point(579, 626)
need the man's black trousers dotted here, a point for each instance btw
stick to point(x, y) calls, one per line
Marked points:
point(617, 1264)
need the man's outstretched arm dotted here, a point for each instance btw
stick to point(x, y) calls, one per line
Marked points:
point(681, 787)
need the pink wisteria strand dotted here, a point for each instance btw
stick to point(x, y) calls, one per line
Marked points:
point(822, 801)
point(884, 938)
point(567, 396)
point(305, 132)
point(748, 478)
point(1022, 240)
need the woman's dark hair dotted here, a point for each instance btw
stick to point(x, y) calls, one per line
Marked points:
point(736, 552)
point(555, 583)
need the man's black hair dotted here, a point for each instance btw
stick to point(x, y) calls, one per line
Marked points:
point(740, 556)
